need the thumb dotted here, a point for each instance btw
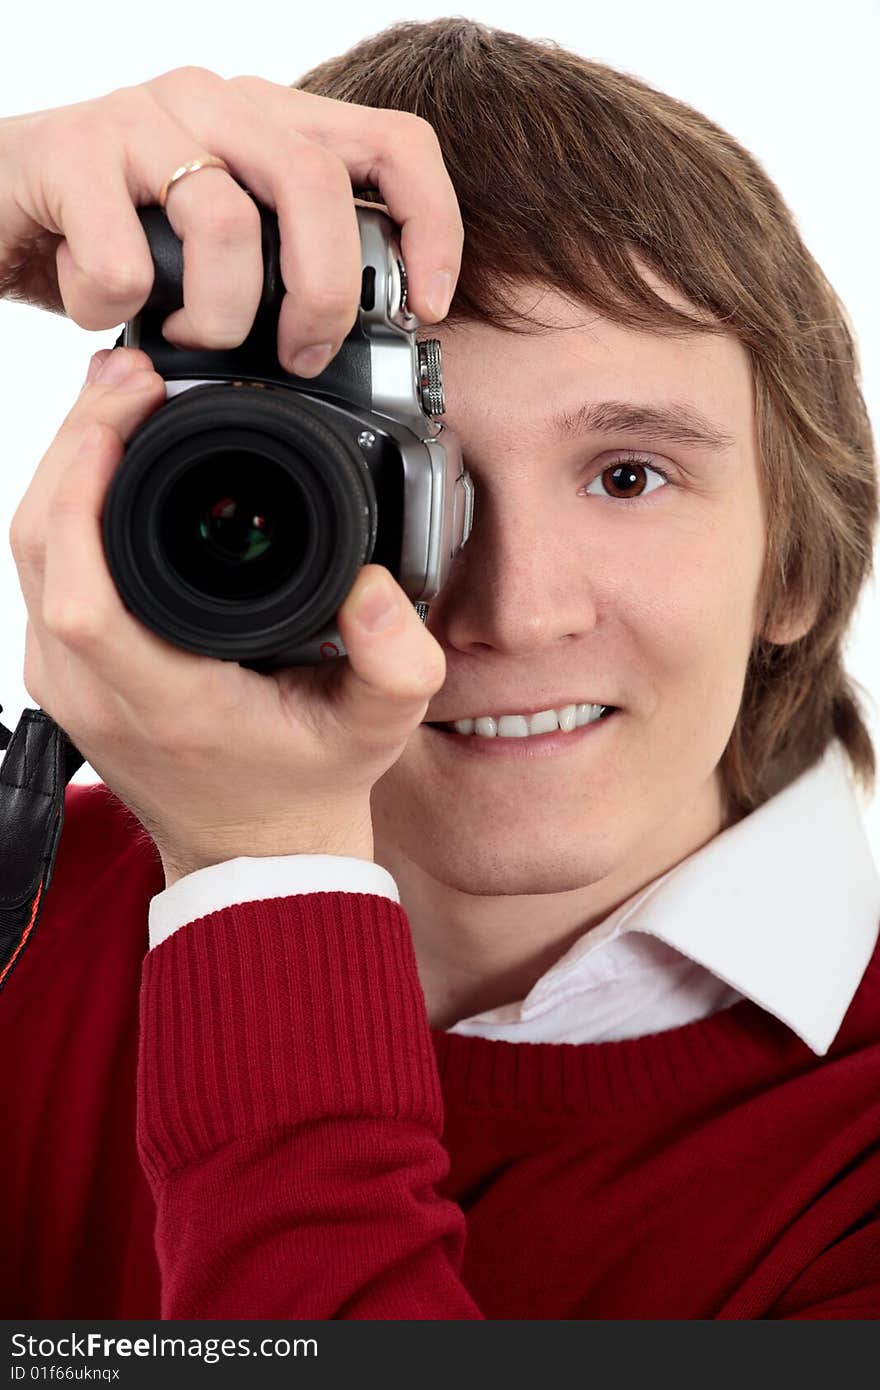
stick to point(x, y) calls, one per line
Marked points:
point(394, 664)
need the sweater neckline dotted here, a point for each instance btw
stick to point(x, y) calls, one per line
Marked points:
point(740, 1043)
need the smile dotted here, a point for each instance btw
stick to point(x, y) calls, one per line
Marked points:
point(547, 745)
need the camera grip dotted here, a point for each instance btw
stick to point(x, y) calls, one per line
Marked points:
point(166, 249)
point(348, 376)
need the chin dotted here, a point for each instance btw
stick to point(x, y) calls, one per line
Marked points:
point(510, 871)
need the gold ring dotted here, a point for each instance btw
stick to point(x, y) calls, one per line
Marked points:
point(210, 161)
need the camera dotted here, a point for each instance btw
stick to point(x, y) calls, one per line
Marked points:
point(244, 507)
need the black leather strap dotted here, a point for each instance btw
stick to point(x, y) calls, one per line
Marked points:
point(39, 762)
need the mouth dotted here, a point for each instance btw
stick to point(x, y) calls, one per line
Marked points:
point(519, 748)
point(449, 726)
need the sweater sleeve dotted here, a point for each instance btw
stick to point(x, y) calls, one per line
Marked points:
point(243, 880)
point(290, 1117)
point(843, 1282)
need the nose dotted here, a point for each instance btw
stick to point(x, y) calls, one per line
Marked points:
point(521, 583)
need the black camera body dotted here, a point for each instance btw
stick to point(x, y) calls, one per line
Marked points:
point(243, 509)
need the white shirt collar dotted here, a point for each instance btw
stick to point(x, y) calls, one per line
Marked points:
point(783, 907)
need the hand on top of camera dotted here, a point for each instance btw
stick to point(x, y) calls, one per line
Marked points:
point(216, 761)
point(72, 177)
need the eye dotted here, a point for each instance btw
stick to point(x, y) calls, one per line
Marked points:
point(626, 478)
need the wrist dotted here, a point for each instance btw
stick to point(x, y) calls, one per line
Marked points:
point(178, 861)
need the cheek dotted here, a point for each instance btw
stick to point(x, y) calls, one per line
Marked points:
point(696, 619)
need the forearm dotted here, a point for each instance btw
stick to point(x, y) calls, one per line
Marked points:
point(289, 1117)
point(336, 1220)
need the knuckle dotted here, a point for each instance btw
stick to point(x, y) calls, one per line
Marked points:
point(407, 125)
point(325, 303)
point(250, 85)
point(216, 324)
point(184, 81)
point(231, 220)
point(319, 168)
point(429, 677)
point(33, 674)
point(74, 623)
point(324, 313)
point(15, 535)
point(430, 668)
point(69, 134)
point(214, 335)
point(127, 110)
point(118, 277)
point(25, 545)
point(31, 679)
point(423, 130)
point(407, 689)
point(422, 677)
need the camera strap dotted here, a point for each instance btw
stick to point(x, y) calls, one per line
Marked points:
point(38, 764)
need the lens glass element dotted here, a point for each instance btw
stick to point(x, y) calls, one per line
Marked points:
point(235, 524)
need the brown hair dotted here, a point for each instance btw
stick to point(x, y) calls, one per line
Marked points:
point(563, 169)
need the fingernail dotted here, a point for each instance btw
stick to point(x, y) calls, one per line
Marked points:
point(95, 366)
point(312, 360)
point(142, 378)
point(377, 606)
point(440, 293)
point(116, 368)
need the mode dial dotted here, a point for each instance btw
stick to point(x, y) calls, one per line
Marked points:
point(431, 377)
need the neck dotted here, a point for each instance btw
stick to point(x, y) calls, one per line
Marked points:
point(478, 951)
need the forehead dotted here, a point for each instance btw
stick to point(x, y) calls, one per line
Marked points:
point(579, 356)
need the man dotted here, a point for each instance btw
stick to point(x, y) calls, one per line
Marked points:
point(498, 1021)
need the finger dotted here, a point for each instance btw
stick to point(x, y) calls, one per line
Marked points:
point(102, 399)
point(398, 152)
point(107, 403)
point(418, 192)
point(320, 262)
point(95, 366)
point(394, 667)
point(105, 270)
point(80, 618)
point(215, 219)
point(34, 667)
point(78, 608)
point(309, 188)
point(320, 253)
point(219, 226)
point(79, 602)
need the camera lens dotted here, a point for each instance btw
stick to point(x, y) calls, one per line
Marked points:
point(235, 525)
point(238, 519)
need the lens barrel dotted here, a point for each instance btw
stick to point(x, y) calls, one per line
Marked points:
point(238, 519)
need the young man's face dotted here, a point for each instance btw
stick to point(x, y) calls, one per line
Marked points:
point(568, 592)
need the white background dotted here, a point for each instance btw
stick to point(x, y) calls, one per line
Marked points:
point(793, 81)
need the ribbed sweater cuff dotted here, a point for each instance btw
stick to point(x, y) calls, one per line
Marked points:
point(278, 1013)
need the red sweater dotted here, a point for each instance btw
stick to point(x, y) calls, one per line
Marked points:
point(256, 1120)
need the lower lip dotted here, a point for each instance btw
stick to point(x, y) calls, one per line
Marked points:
point(535, 746)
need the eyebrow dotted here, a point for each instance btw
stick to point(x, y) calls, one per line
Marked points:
point(680, 424)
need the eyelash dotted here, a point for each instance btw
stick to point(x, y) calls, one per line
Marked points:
point(642, 462)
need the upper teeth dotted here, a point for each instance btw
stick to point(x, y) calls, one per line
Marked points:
point(522, 725)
